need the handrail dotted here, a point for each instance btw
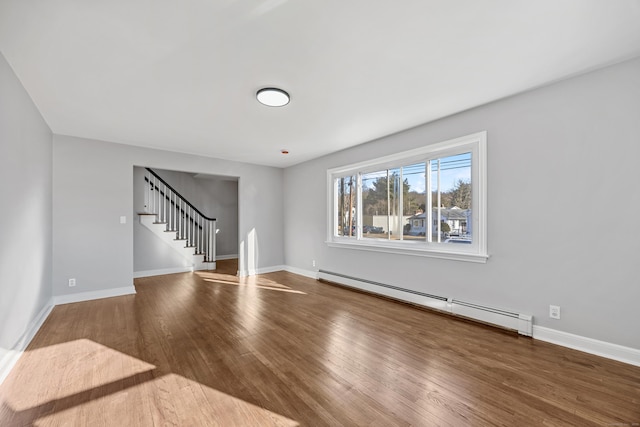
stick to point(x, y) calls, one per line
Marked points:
point(180, 195)
point(180, 209)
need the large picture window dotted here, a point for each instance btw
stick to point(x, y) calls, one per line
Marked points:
point(430, 201)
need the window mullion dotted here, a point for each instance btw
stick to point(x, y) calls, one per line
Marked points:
point(359, 206)
point(439, 202)
point(338, 206)
point(350, 223)
point(388, 208)
point(429, 202)
point(401, 206)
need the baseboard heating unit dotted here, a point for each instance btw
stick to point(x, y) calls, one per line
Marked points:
point(522, 323)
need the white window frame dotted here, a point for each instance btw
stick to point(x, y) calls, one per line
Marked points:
point(476, 252)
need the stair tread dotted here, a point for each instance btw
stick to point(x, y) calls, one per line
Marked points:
point(156, 222)
point(146, 213)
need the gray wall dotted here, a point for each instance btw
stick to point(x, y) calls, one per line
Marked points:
point(93, 187)
point(25, 191)
point(214, 197)
point(563, 206)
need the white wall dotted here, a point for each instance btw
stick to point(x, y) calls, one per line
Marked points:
point(93, 187)
point(25, 213)
point(563, 165)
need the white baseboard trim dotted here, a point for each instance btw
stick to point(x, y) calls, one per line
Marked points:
point(9, 360)
point(231, 256)
point(263, 270)
point(307, 273)
point(161, 272)
point(302, 272)
point(588, 345)
point(88, 296)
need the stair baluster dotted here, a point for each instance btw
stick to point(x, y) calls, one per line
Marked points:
point(180, 216)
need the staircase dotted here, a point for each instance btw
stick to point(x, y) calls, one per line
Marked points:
point(178, 223)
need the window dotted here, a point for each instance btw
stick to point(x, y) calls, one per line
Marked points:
point(346, 205)
point(421, 202)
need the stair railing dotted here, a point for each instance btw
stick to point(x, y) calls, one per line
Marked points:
point(172, 209)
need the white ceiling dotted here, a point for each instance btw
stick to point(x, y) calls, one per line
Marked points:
point(182, 75)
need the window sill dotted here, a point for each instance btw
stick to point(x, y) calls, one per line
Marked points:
point(408, 250)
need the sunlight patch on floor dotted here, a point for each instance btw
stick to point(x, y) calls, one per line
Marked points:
point(252, 281)
point(77, 365)
point(82, 382)
point(170, 400)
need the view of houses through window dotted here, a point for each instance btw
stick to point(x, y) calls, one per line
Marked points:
point(392, 203)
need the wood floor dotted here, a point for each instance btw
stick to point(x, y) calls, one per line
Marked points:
point(208, 349)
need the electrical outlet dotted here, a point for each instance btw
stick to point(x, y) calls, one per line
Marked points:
point(72, 283)
point(554, 311)
point(313, 263)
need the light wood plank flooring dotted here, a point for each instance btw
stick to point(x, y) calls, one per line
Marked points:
point(208, 349)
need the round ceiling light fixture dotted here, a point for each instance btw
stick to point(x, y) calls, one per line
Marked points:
point(273, 97)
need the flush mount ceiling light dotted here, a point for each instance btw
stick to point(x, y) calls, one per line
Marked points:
point(272, 97)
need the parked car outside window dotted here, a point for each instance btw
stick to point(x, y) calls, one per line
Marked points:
point(458, 240)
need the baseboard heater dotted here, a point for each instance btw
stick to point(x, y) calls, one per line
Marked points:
point(522, 323)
